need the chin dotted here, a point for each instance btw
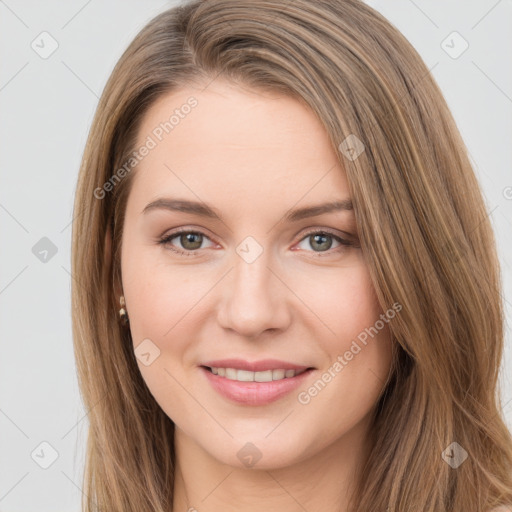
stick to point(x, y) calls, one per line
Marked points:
point(257, 452)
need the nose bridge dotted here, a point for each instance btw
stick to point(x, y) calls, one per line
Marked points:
point(252, 298)
point(252, 278)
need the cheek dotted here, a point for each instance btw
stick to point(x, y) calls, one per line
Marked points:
point(358, 354)
point(350, 329)
point(358, 307)
point(343, 302)
point(364, 338)
point(161, 298)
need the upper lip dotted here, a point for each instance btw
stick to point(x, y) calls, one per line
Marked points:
point(255, 366)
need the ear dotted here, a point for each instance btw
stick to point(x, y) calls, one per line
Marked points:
point(118, 290)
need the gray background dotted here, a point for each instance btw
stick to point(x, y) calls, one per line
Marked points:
point(46, 109)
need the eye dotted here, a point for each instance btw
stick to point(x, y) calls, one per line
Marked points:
point(190, 241)
point(322, 241)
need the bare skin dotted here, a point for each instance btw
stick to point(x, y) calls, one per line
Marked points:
point(253, 157)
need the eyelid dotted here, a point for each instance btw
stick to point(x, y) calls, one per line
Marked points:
point(329, 231)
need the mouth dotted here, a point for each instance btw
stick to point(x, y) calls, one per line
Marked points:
point(259, 376)
point(255, 388)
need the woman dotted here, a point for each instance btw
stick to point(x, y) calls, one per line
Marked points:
point(286, 289)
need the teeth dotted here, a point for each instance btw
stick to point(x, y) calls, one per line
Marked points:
point(279, 374)
point(243, 375)
point(247, 376)
point(265, 376)
point(231, 374)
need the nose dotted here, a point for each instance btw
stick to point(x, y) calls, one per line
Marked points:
point(253, 300)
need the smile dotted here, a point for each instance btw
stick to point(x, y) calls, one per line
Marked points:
point(245, 387)
point(248, 376)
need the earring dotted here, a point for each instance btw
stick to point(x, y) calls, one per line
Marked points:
point(122, 312)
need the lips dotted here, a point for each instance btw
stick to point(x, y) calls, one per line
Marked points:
point(233, 382)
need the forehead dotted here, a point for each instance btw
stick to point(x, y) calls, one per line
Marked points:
point(224, 110)
point(236, 142)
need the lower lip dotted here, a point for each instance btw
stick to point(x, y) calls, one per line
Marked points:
point(255, 393)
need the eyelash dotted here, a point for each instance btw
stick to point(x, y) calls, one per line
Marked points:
point(344, 243)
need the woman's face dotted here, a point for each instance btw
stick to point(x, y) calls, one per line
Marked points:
point(261, 273)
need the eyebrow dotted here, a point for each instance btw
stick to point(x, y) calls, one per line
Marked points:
point(204, 210)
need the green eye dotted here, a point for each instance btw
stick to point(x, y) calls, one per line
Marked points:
point(190, 241)
point(322, 241)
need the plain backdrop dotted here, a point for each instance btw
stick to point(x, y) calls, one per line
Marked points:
point(46, 107)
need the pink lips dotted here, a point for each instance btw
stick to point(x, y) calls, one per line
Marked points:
point(254, 393)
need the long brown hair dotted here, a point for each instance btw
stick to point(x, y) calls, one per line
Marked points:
point(424, 231)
